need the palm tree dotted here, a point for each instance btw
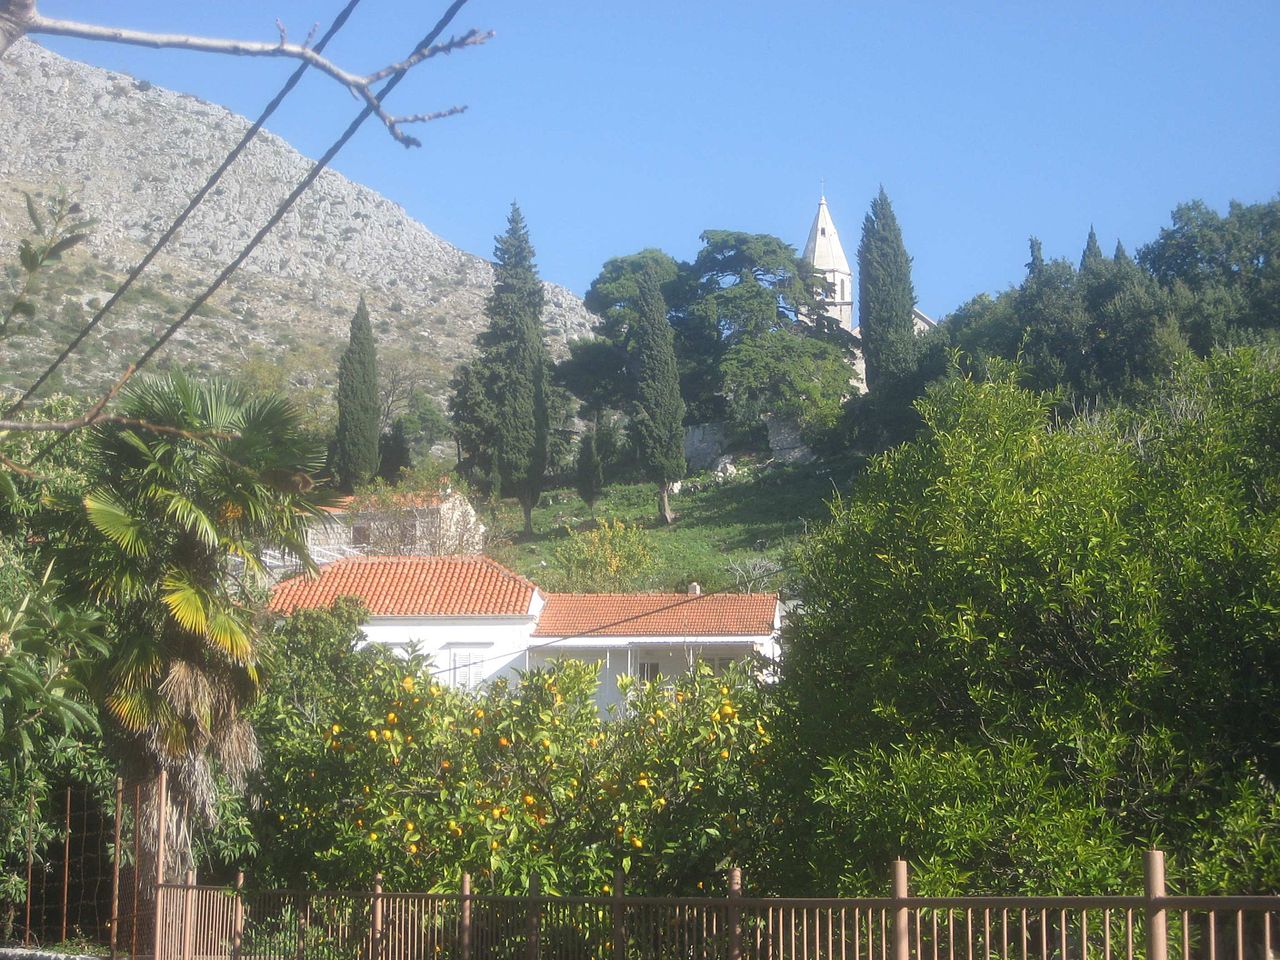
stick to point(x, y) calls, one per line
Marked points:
point(179, 516)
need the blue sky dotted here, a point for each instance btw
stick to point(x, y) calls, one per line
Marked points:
point(619, 126)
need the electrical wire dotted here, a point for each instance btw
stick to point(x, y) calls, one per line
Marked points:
point(338, 23)
point(284, 206)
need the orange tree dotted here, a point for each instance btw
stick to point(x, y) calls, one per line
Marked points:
point(402, 774)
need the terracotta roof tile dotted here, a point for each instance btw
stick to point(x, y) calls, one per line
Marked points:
point(411, 586)
point(657, 615)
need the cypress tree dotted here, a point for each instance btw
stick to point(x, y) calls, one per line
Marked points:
point(590, 471)
point(658, 421)
point(514, 364)
point(356, 444)
point(1035, 266)
point(886, 297)
point(1092, 255)
point(394, 457)
point(1121, 255)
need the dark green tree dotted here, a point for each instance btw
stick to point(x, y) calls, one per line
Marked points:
point(515, 365)
point(1092, 255)
point(590, 471)
point(473, 418)
point(394, 457)
point(886, 298)
point(1121, 255)
point(658, 420)
point(1036, 263)
point(355, 456)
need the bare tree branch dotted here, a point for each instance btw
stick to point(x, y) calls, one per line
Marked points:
point(19, 17)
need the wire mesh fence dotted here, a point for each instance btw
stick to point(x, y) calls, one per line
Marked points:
point(81, 868)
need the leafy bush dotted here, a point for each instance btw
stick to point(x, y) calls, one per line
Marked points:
point(609, 557)
point(394, 772)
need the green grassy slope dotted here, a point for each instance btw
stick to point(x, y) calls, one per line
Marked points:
point(723, 531)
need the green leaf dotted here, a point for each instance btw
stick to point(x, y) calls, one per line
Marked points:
point(32, 214)
point(116, 523)
point(65, 244)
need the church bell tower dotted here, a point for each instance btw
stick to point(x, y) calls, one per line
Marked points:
point(824, 252)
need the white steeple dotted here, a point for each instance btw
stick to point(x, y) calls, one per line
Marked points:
point(824, 252)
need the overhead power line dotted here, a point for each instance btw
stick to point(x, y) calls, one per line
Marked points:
point(317, 168)
point(162, 241)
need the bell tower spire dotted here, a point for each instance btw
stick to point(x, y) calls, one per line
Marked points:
point(825, 254)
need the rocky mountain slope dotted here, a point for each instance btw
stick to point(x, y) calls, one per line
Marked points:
point(132, 154)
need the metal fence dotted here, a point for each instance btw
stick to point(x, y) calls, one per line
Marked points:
point(197, 922)
point(84, 875)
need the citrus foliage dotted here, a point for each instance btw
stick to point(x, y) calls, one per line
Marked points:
point(403, 775)
point(610, 557)
point(1030, 648)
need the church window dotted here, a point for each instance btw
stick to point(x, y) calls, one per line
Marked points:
point(842, 288)
point(822, 231)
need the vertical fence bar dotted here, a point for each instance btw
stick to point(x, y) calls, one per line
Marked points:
point(31, 819)
point(188, 895)
point(375, 920)
point(902, 912)
point(735, 914)
point(466, 917)
point(66, 865)
point(619, 916)
point(237, 917)
point(1157, 931)
point(137, 869)
point(533, 920)
point(115, 865)
point(162, 815)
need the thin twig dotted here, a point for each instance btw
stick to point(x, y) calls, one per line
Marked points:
point(360, 85)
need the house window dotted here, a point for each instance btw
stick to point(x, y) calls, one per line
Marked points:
point(360, 535)
point(647, 670)
point(466, 667)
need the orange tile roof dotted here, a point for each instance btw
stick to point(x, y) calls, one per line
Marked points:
point(411, 587)
point(657, 615)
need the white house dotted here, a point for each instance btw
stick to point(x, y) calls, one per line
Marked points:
point(479, 621)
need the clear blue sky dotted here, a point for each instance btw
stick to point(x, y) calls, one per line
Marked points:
point(624, 125)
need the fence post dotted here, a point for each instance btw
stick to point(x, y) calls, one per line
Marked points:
point(375, 948)
point(237, 917)
point(619, 916)
point(162, 816)
point(535, 916)
point(115, 865)
point(466, 916)
point(735, 914)
point(31, 819)
point(1157, 931)
point(188, 926)
point(66, 866)
point(901, 913)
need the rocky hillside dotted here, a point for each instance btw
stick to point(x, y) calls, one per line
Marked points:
point(133, 154)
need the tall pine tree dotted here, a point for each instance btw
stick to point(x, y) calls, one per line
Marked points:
point(355, 456)
point(658, 422)
point(590, 471)
point(1092, 255)
point(886, 298)
point(514, 365)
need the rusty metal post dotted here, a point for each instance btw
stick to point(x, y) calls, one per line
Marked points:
point(237, 917)
point(534, 932)
point(619, 916)
point(31, 819)
point(375, 924)
point(466, 916)
point(1157, 929)
point(188, 924)
point(115, 865)
point(137, 869)
point(901, 913)
point(66, 865)
point(735, 914)
point(162, 815)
